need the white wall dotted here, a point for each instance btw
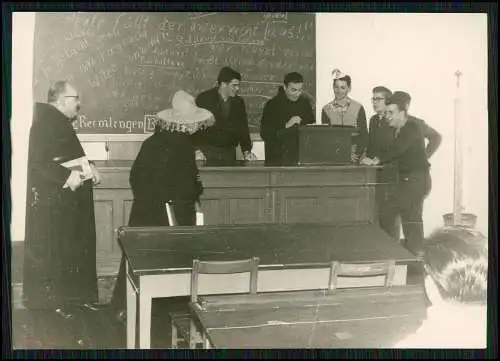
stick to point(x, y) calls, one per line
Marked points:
point(419, 53)
point(23, 30)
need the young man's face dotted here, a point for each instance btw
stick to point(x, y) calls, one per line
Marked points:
point(378, 102)
point(340, 89)
point(232, 88)
point(393, 114)
point(293, 91)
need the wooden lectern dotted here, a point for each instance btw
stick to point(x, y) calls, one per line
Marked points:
point(316, 145)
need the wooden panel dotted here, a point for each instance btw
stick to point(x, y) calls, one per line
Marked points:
point(297, 209)
point(124, 150)
point(127, 207)
point(214, 209)
point(233, 179)
point(250, 206)
point(104, 226)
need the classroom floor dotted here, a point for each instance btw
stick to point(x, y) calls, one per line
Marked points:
point(93, 329)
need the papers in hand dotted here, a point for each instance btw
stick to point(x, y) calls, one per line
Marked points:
point(81, 165)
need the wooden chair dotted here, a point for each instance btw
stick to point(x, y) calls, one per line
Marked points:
point(346, 269)
point(183, 324)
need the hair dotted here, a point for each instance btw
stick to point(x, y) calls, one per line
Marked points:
point(293, 78)
point(401, 99)
point(457, 260)
point(226, 74)
point(405, 96)
point(56, 89)
point(345, 78)
point(382, 89)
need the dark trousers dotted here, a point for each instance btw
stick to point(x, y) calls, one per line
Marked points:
point(388, 212)
point(413, 188)
point(386, 198)
point(219, 156)
point(185, 215)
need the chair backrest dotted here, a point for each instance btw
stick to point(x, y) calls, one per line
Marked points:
point(250, 265)
point(346, 269)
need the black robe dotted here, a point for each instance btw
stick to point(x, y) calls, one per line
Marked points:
point(277, 112)
point(60, 244)
point(164, 171)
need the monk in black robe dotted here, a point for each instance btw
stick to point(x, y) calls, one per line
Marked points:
point(287, 109)
point(60, 244)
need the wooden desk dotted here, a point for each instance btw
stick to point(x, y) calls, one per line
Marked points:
point(292, 257)
point(350, 318)
point(248, 194)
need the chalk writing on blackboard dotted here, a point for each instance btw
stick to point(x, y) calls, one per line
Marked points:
point(128, 65)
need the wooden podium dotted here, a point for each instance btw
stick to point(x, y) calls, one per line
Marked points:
point(316, 145)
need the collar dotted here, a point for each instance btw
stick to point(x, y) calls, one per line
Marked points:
point(338, 105)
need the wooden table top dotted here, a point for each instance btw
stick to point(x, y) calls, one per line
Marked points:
point(352, 318)
point(156, 250)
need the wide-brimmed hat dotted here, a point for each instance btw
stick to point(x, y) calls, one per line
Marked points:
point(184, 116)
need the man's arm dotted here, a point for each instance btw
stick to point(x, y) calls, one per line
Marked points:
point(362, 138)
point(324, 117)
point(267, 129)
point(309, 117)
point(411, 134)
point(243, 131)
point(42, 162)
point(434, 138)
point(371, 136)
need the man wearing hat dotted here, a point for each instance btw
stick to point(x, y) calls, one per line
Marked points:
point(219, 143)
point(165, 171)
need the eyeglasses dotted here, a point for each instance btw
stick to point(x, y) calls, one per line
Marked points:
point(378, 99)
point(77, 97)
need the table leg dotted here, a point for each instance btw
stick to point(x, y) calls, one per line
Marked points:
point(144, 317)
point(131, 314)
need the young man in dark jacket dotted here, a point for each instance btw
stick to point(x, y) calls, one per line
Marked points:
point(287, 109)
point(219, 143)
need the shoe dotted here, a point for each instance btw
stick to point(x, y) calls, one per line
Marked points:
point(64, 313)
point(90, 307)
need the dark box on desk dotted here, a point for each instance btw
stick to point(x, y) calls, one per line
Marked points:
point(316, 145)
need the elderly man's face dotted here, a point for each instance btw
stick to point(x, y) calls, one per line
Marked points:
point(69, 102)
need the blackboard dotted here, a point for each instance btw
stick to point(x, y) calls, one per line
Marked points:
point(127, 66)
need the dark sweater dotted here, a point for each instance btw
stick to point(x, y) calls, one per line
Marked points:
point(381, 135)
point(228, 131)
point(277, 112)
point(408, 149)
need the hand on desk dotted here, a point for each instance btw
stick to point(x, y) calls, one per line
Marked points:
point(293, 120)
point(369, 161)
point(249, 156)
point(199, 155)
point(96, 176)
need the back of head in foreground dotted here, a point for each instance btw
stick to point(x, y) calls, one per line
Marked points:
point(456, 274)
